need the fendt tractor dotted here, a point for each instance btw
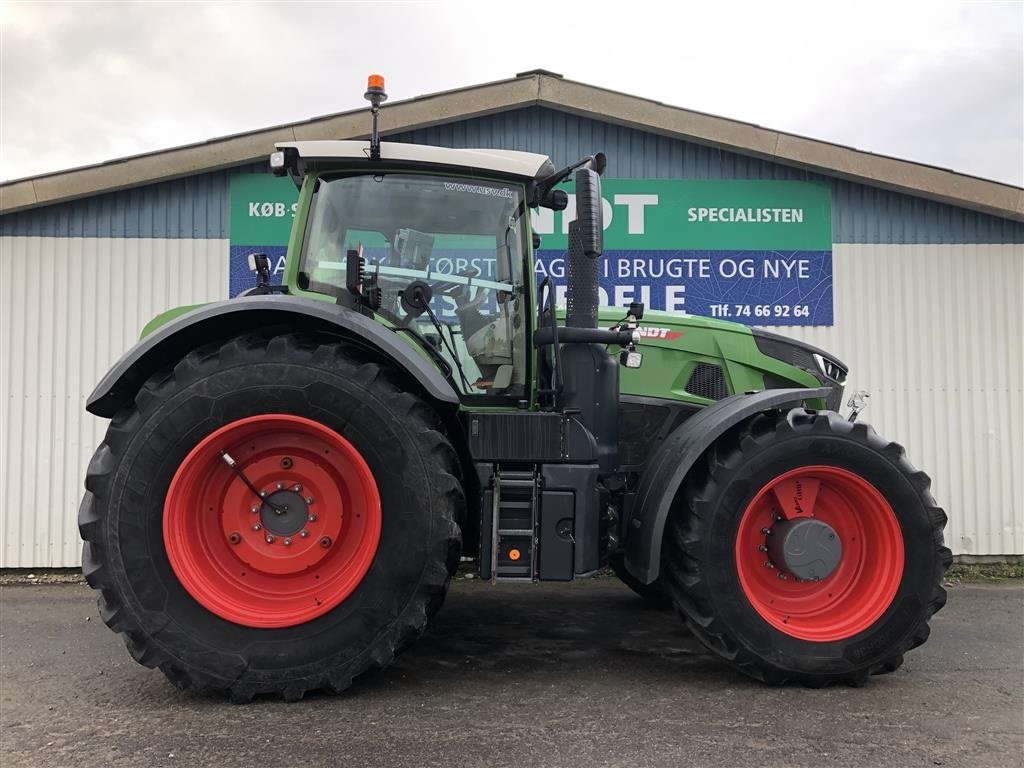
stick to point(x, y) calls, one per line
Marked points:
point(290, 478)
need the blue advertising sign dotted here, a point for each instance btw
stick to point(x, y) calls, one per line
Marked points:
point(756, 252)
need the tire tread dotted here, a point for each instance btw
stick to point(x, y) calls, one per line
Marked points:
point(685, 575)
point(436, 450)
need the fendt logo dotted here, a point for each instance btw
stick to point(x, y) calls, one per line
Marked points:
point(659, 333)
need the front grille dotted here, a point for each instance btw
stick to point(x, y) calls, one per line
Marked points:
point(708, 381)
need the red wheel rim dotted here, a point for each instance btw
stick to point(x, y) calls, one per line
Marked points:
point(856, 594)
point(258, 567)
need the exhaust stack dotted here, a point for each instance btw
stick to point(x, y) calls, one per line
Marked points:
point(586, 244)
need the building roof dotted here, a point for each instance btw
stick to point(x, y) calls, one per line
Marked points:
point(502, 161)
point(534, 88)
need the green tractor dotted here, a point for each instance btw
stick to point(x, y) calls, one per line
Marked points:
point(290, 478)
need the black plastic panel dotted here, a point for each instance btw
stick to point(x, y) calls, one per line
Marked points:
point(581, 480)
point(591, 385)
point(643, 423)
point(517, 436)
point(557, 530)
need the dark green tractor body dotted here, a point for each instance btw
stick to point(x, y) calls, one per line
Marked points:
point(310, 460)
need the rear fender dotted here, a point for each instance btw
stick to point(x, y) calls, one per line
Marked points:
point(669, 465)
point(225, 319)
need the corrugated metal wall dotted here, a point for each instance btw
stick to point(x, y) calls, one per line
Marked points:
point(934, 331)
point(69, 308)
point(936, 334)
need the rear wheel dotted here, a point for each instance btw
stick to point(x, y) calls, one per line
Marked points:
point(318, 555)
point(808, 550)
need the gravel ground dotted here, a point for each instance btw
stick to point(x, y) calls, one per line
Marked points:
point(579, 674)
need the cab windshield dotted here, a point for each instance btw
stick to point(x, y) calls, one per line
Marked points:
point(463, 238)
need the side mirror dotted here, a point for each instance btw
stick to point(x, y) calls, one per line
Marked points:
point(259, 264)
point(589, 212)
point(556, 200)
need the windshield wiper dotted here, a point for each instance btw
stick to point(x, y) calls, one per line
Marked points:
point(429, 348)
point(416, 300)
point(450, 347)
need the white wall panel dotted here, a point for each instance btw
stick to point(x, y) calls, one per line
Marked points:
point(69, 308)
point(935, 332)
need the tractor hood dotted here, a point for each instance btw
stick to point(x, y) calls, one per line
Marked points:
point(674, 345)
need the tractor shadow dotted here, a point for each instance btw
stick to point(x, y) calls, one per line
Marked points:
point(557, 631)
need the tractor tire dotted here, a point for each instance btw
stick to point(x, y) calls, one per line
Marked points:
point(653, 593)
point(329, 571)
point(873, 592)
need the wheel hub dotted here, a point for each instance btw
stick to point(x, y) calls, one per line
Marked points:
point(294, 552)
point(807, 548)
point(289, 521)
point(799, 579)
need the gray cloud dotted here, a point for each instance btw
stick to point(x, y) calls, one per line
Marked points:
point(941, 83)
point(963, 109)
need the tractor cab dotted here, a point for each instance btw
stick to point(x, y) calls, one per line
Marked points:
point(435, 243)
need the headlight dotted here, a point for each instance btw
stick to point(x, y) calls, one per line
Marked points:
point(833, 369)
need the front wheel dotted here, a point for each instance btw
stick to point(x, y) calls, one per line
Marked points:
point(808, 550)
point(654, 594)
point(271, 516)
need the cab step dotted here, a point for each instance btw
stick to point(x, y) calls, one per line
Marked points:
point(514, 502)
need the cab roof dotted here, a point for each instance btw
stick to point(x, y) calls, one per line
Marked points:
point(501, 161)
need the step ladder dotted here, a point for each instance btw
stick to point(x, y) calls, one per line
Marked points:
point(514, 526)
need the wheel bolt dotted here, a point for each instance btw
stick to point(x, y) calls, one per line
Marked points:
point(286, 463)
point(325, 542)
point(254, 510)
point(297, 488)
point(235, 537)
point(256, 527)
point(309, 499)
point(288, 543)
point(303, 533)
point(280, 486)
point(782, 575)
point(312, 518)
point(762, 548)
point(270, 539)
point(768, 564)
point(766, 531)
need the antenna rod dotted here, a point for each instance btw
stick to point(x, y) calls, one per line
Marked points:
point(376, 96)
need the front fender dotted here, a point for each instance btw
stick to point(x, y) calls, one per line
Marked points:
point(225, 319)
point(668, 467)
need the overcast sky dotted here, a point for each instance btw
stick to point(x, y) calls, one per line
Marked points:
point(936, 82)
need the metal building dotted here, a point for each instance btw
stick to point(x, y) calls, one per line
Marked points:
point(927, 283)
